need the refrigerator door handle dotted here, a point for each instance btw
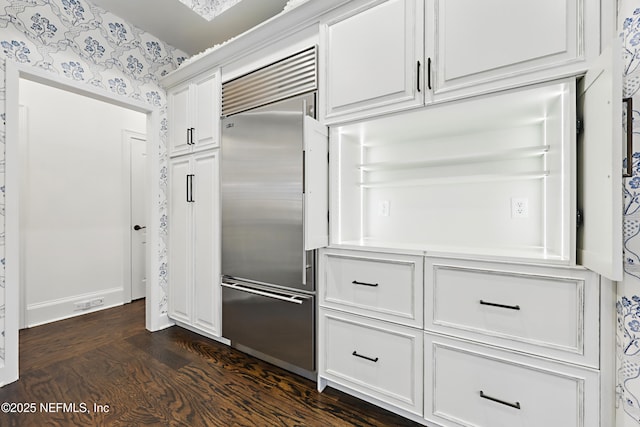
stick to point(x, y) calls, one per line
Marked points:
point(295, 299)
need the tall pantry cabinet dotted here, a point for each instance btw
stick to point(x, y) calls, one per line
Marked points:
point(194, 295)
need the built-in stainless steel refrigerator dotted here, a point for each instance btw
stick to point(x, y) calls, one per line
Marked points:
point(273, 192)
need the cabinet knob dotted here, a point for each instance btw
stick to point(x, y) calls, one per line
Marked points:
point(139, 227)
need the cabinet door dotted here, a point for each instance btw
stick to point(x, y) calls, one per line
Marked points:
point(599, 239)
point(206, 114)
point(467, 384)
point(375, 358)
point(206, 235)
point(373, 58)
point(474, 42)
point(180, 242)
point(316, 184)
point(179, 104)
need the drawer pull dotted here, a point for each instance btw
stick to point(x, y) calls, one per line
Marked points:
point(493, 399)
point(493, 304)
point(355, 282)
point(355, 353)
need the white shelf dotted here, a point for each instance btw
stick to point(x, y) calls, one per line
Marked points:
point(517, 153)
point(456, 180)
point(533, 254)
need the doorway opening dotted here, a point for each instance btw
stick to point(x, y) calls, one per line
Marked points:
point(79, 158)
point(154, 317)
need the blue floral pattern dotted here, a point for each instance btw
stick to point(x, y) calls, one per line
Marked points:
point(86, 44)
point(628, 304)
point(16, 50)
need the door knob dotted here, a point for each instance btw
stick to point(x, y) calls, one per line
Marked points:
point(139, 227)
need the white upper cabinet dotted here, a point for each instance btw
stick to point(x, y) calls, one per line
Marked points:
point(194, 115)
point(492, 43)
point(373, 59)
point(393, 55)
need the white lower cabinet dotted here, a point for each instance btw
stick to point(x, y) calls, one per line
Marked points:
point(378, 359)
point(551, 312)
point(502, 344)
point(194, 296)
point(383, 286)
point(468, 384)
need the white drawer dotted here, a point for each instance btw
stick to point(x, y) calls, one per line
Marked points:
point(481, 386)
point(378, 359)
point(548, 311)
point(385, 286)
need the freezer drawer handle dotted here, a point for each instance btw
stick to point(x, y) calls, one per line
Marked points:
point(293, 298)
point(355, 353)
point(493, 399)
point(493, 304)
point(355, 282)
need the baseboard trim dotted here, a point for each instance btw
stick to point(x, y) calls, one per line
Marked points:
point(65, 308)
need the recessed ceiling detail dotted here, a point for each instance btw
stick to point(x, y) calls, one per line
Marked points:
point(209, 9)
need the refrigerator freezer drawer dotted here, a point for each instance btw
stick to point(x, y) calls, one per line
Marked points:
point(272, 324)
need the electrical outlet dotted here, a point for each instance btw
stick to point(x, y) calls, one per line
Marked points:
point(383, 208)
point(519, 207)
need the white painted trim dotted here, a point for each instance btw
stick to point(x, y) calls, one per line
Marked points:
point(608, 356)
point(9, 372)
point(23, 112)
point(126, 216)
point(155, 320)
point(264, 35)
point(64, 308)
point(49, 79)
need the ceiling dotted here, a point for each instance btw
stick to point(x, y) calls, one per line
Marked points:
point(176, 24)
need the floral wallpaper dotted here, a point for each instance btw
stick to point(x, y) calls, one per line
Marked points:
point(628, 303)
point(88, 45)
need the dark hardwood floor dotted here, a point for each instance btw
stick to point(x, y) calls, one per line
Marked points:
point(167, 378)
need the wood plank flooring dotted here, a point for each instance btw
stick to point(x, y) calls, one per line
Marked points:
point(169, 378)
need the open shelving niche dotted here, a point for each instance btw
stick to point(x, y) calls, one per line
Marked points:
point(492, 177)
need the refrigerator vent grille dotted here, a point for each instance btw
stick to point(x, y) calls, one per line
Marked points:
point(288, 77)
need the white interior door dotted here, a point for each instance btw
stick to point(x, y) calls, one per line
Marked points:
point(138, 153)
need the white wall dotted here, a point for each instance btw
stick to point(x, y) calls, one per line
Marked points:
point(73, 201)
